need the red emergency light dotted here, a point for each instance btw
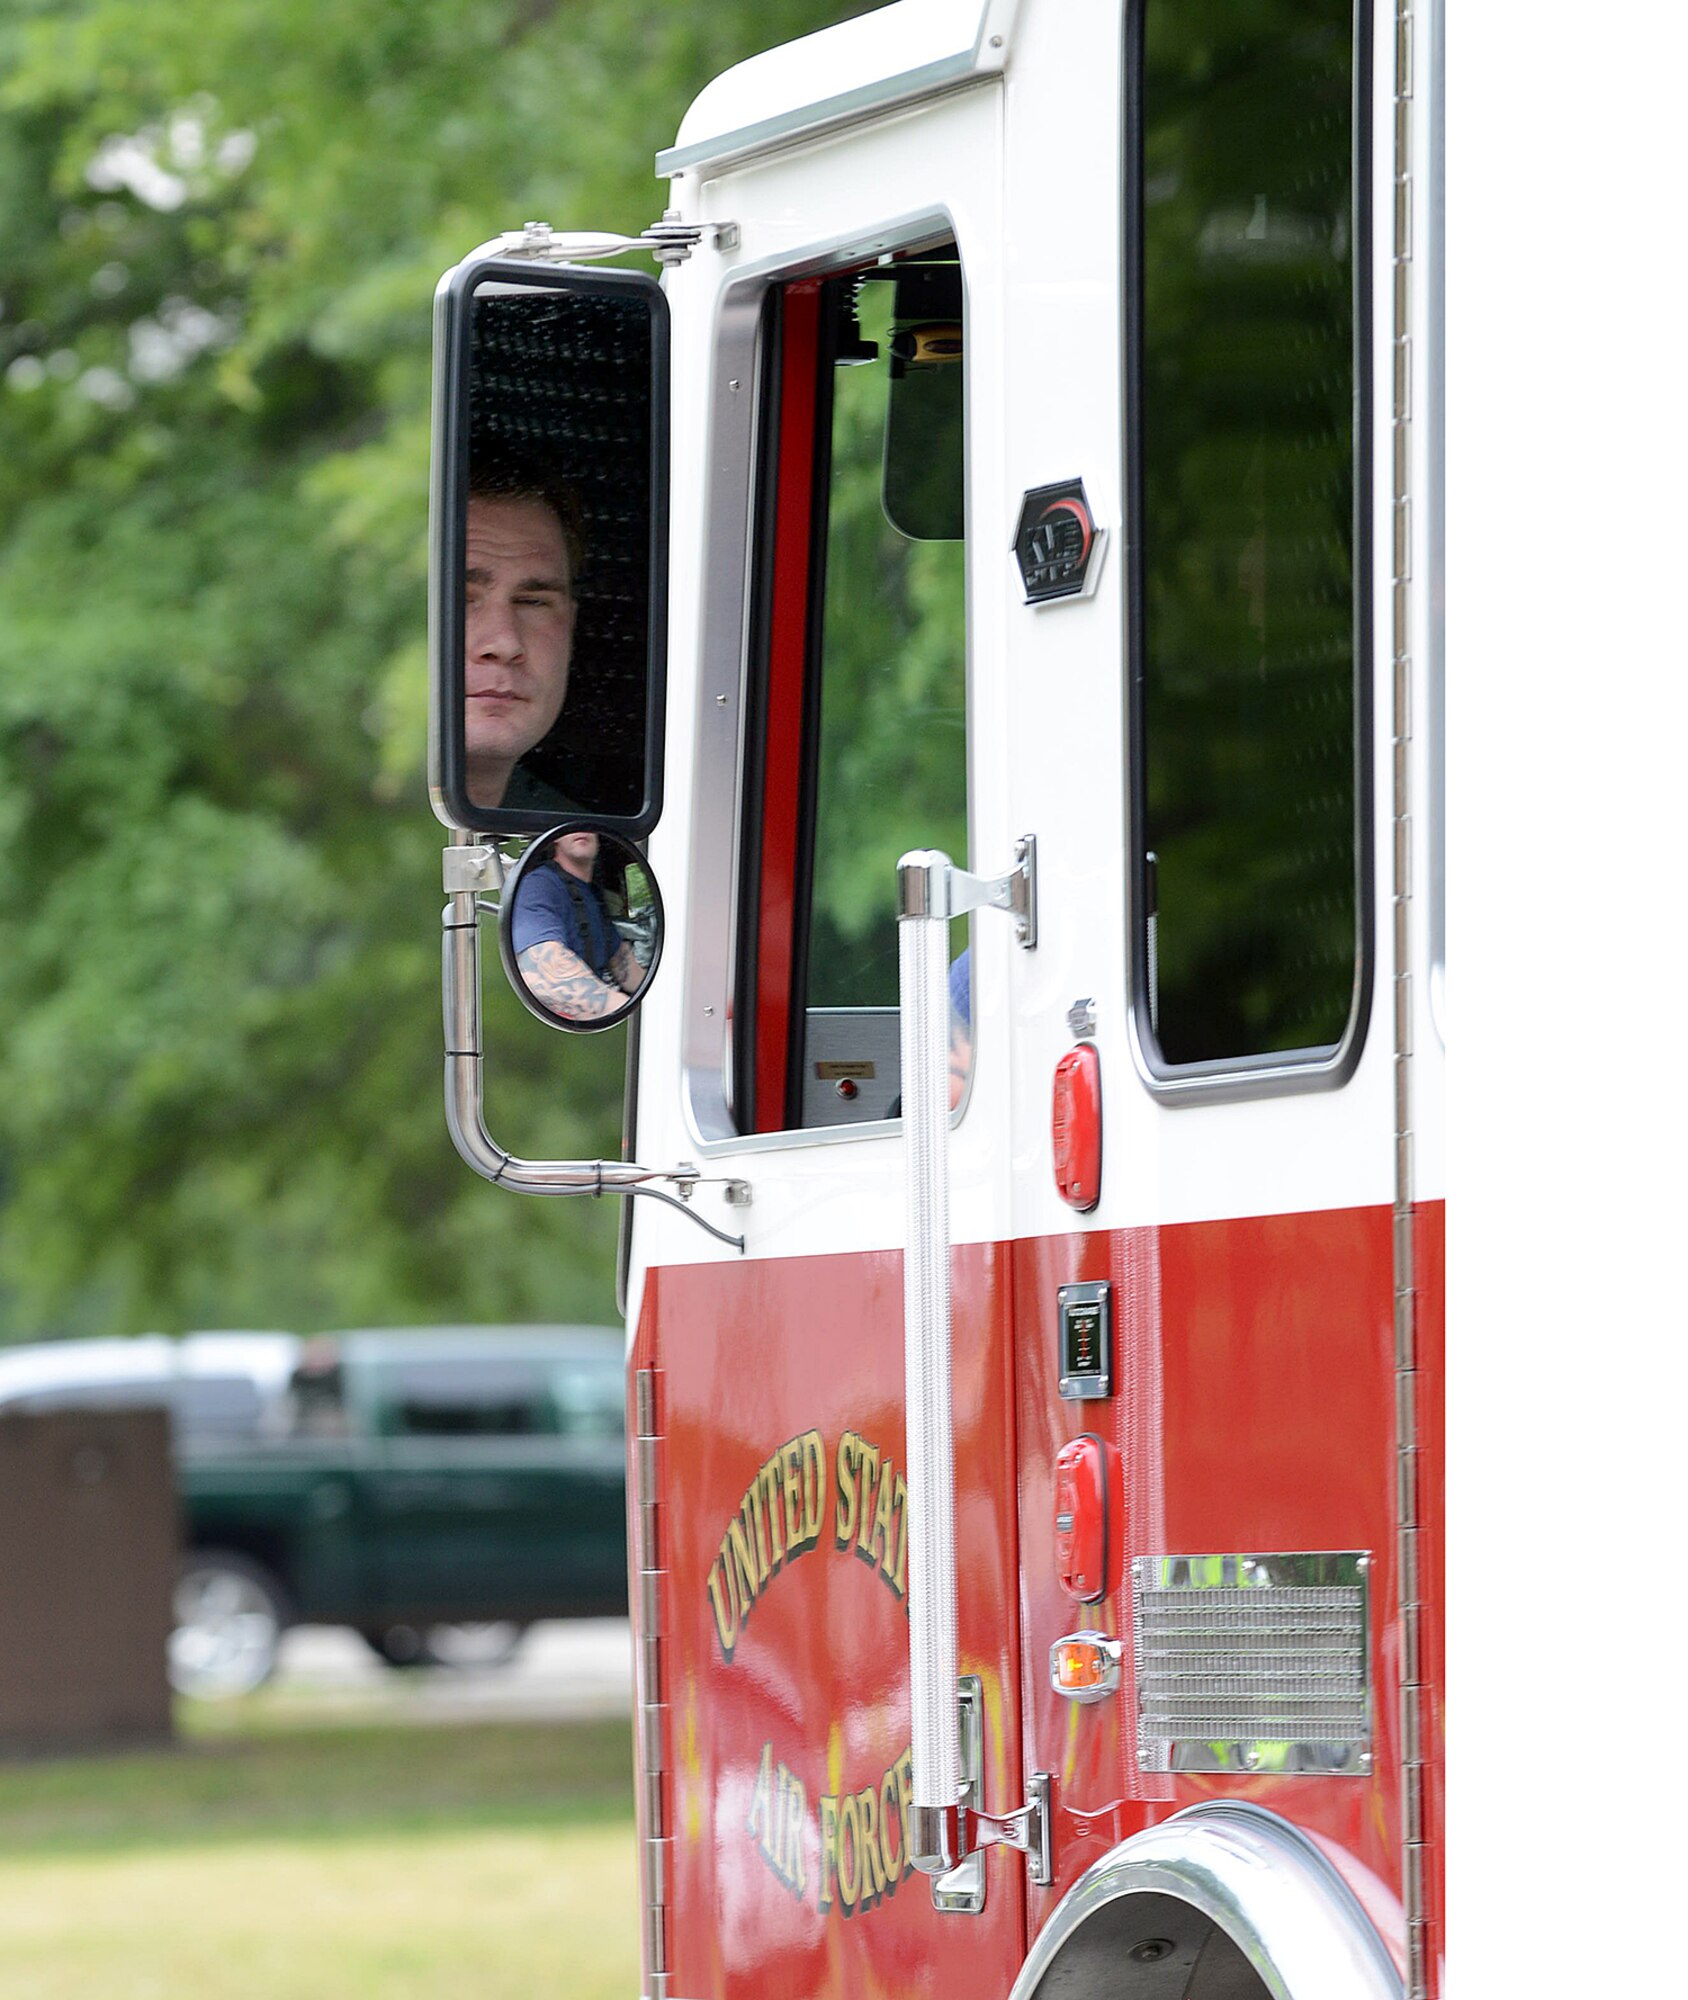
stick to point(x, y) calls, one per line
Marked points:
point(1075, 1122)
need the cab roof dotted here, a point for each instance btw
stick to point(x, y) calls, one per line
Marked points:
point(896, 54)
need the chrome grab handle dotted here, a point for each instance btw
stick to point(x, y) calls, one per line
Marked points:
point(930, 890)
point(923, 911)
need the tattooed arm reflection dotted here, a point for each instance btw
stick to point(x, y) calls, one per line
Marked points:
point(562, 980)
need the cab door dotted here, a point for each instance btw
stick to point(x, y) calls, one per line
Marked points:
point(1214, 860)
point(850, 368)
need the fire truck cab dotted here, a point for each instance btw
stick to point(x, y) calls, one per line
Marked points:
point(1013, 534)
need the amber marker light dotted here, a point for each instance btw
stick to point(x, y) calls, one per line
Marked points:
point(1085, 1666)
point(1078, 1664)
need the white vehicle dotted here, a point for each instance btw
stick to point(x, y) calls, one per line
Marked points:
point(1005, 616)
point(212, 1383)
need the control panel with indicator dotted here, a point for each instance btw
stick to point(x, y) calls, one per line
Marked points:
point(1086, 1315)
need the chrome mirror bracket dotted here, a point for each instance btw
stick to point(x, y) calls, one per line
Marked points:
point(469, 867)
point(668, 240)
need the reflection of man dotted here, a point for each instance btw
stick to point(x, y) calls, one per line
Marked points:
point(571, 956)
point(523, 556)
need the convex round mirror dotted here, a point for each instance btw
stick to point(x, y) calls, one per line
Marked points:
point(580, 927)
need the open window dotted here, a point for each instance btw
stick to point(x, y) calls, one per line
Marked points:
point(856, 715)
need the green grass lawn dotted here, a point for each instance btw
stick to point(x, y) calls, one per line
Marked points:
point(483, 1861)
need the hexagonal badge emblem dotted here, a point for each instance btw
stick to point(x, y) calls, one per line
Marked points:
point(1057, 544)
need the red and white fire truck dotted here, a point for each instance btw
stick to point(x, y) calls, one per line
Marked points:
point(1002, 558)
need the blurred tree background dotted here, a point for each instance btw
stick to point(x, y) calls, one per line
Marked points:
point(221, 222)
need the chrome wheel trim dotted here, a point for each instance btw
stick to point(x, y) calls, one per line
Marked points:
point(226, 1633)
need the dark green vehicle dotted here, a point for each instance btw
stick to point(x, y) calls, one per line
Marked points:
point(438, 1490)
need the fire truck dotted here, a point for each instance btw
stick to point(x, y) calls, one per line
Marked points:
point(991, 581)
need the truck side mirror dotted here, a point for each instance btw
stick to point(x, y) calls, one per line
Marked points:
point(580, 927)
point(548, 547)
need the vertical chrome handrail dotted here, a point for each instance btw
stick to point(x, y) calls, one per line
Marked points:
point(931, 890)
point(923, 910)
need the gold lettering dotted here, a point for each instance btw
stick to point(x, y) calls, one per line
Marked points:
point(790, 1457)
point(884, 1526)
point(845, 1524)
point(814, 1486)
point(867, 1824)
point(778, 1819)
point(723, 1604)
point(744, 1564)
point(867, 1467)
point(789, 1861)
point(761, 1804)
point(899, 1583)
point(779, 1517)
point(865, 1838)
point(750, 1512)
point(849, 1845)
point(768, 1480)
point(829, 1849)
point(893, 1849)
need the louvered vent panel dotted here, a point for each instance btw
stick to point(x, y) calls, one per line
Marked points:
point(1252, 1663)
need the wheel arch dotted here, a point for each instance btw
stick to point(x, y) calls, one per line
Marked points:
point(1272, 1910)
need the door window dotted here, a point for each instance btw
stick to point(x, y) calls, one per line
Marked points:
point(858, 712)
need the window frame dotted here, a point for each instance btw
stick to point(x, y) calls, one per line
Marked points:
point(783, 646)
point(726, 819)
point(1226, 1079)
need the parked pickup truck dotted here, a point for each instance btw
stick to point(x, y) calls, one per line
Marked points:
point(437, 1489)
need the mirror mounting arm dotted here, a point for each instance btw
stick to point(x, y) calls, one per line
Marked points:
point(469, 867)
point(669, 241)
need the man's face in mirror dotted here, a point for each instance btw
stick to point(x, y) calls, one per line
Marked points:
point(577, 854)
point(518, 634)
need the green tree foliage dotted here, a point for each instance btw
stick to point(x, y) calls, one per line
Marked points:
point(219, 231)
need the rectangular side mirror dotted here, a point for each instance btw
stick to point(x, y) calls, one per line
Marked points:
point(548, 547)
